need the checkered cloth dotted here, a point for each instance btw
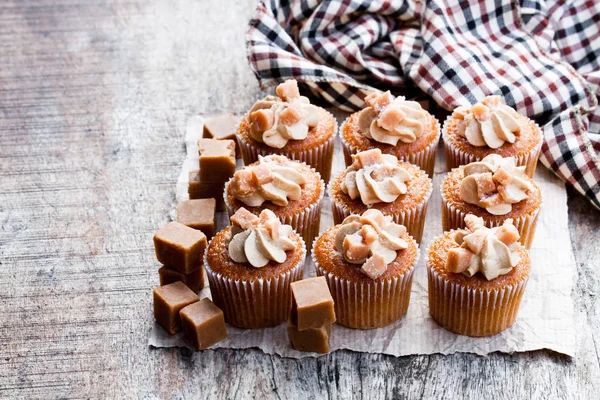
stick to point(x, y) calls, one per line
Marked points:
point(542, 56)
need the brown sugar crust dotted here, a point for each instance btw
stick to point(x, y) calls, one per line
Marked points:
point(316, 135)
point(333, 262)
point(352, 135)
point(311, 192)
point(527, 140)
point(418, 185)
point(438, 253)
point(218, 259)
point(451, 191)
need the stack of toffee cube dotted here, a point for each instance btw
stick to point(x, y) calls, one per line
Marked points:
point(217, 150)
point(312, 314)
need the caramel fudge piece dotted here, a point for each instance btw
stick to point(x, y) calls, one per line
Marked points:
point(222, 127)
point(312, 339)
point(194, 280)
point(180, 247)
point(168, 301)
point(198, 214)
point(312, 304)
point(201, 190)
point(203, 323)
point(217, 160)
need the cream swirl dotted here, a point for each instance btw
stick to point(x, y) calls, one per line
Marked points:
point(276, 120)
point(275, 178)
point(389, 120)
point(371, 240)
point(488, 123)
point(491, 252)
point(258, 240)
point(375, 177)
point(495, 183)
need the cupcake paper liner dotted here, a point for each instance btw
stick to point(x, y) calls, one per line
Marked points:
point(320, 158)
point(424, 159)
point(413, 219)
point(472, 312)
point(453, 218)
point(456, 157)
point(254, 304)
point(373, 305)
point(306, 222)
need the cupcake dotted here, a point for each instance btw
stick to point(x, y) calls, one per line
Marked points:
point(291, 189)
point(494, 189)
point(288, 124)
point(476, 278)
point(368, 261)
point(395, 126)
point(379, 181)
point(490, 127)
point(250, 266)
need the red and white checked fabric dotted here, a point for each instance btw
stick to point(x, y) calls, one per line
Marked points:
point(540, 55)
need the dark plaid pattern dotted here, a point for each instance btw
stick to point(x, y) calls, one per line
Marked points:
point(540, 55)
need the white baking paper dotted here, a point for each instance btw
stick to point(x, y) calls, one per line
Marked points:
point(545, 320)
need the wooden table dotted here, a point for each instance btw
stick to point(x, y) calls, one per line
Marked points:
point(94, 98)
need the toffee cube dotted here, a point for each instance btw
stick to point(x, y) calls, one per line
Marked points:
point(312, 304)
point(168, 301)
point(194, 280)
point(312, 339)
point(217, 160)
point(198, 214)
point(222, 127)
point(202, 190)
point(180, 247)
point(203, 323)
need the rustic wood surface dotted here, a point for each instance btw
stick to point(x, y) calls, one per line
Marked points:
point(94, 97)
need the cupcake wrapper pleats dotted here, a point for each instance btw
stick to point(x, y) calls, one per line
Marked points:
point(254, 304)
point(472, 312)
point(320, 157)
point(424, 159)
point(368, 306)
point(455, 157)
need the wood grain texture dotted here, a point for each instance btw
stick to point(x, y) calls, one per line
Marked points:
point(94, 97)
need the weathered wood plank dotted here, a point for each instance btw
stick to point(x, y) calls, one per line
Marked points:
point(94, 96)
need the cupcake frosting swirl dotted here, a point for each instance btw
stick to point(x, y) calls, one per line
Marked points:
point(374, 177)
point(371, 240)
point(275, 179)
point(276, 120)
point(491, 252)
point(494, 183)
point(488, 123)
point(258, 240)
point(391, 120)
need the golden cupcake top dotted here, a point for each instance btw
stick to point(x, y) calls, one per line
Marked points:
point(488, 123)
point(275, 120)
point(275, 178)
point(375, 178)
point(489, 251)
point(259, 239)
point(390, 120)
point(370, 240)
point(495, 183)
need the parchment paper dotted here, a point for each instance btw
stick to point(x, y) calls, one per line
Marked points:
point(545, 319)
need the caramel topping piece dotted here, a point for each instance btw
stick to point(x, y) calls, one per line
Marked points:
point(490, 252)
point(495, 183)
point(389, 120)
